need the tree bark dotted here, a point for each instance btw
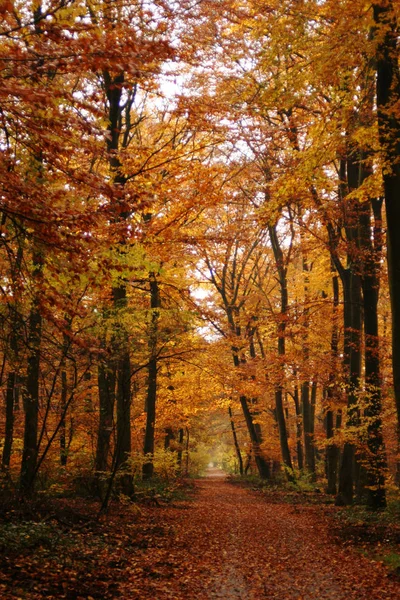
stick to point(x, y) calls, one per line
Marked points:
point(123, 398)
point(180, 449)
point(352, 364)
point(308, 427)
point(114, 87)
point(151, 397)
point(106, 386)
point(280, 415)
point(12, 378)
point(31, 395)
point(375, 462)
point(235, 441)
point(299, 428)
point(9, 425)
point(387, 99)
point(332, 450)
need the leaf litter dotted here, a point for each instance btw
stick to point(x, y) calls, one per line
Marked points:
point(226, 542)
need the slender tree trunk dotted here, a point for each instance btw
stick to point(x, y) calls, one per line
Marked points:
point(63, 402)
point(307, 412)
point(9, 425)
point(299, 429)
point(169, 437)
point(254, 431)
point(12, 378)
point(123, 398)
point(280, 415)
point(151, 398)
point(187, 450)
point(332, 450)
point(114, 87)
point(106, 385)
point(31, 396)
point(352, 363)
point(235, 441)
point(308, 427)
point(262, 465)
point(180, 449)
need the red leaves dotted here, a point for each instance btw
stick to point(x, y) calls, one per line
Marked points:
point(227, 543)
point(231, 544)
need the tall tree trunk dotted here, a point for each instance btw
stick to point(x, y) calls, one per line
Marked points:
point(375, 462)
point(64, 400)
point(352, 364)
point(235, 441)
point(180, 449)
point(332, 450)
point(352, 312)
point(299, 428)
point(63, 409)
point(262, 465)
point(307, 411)
point(308, 427)
point(114, 87)
point(151, 397)
point(253, 429)
point(9, 425)
point(280, 415)
point(123, 398)
point(387, 99)
point(187, 450)
point(31, 395)
point(106, 386)
point(12, 378)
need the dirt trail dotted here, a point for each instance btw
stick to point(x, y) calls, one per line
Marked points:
point(229, 543)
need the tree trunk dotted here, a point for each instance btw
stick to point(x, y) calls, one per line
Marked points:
point(308, 427)
point(9, 425)
point(63, 400)
point(375, 462)
point(123, 399)
point(254, 430)
point(187, 450)
point(114, 87)
point(299, 429)
point(151, 398)
point(106, 385)
point(169, 437)
point(31, 398)
point(63, 405)
point(235, 441)
point(332, 450)
point(352, 364)
point(180, 449)
point(12, 388)
point(123, 446)
point(307, 411)
point(387, 99)
point(280, 415)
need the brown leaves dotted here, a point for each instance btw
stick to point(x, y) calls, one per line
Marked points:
point(227, 543)
point(232, 544)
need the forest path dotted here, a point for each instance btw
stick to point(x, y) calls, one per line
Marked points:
point(230, 543)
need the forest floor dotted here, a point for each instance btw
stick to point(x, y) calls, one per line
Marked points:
point(225, 542)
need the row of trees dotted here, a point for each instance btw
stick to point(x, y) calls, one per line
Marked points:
point(199, 228)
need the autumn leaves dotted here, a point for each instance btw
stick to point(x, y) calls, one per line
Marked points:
point(262, 182)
